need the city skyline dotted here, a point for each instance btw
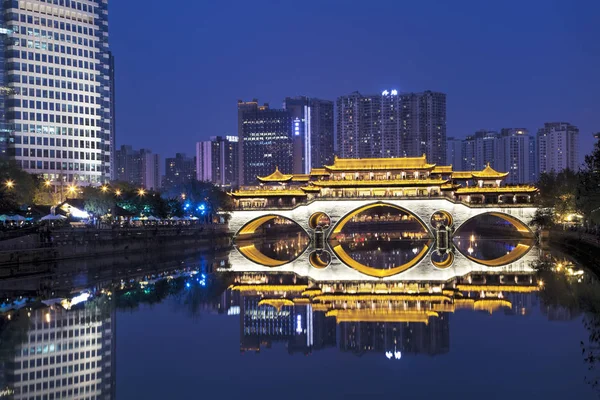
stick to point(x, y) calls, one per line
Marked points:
point(517, 85)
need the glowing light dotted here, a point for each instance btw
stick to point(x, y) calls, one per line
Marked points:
point(187, 285)
point(183, 196)
point(118, 192)
point(48, 317)
point(394, 92)
point(47, 184)
point(389, 355)
point(77, 213)
point(72, 189)
point(397, 355)
point(9, 184)
point(104, 188)
point(141, 192)
point(299, 323)
point(385, 93)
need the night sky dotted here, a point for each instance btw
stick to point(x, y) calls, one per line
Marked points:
point(181, 69)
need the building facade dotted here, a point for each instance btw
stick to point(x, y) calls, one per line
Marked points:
point(66, 354)
point(179, 170)
point(454, 152)
point(137, 167)
point(514, 155)
point(265, 139)
point(57, 65)
point(392, 124)
point(313, 140)
point(217, 161)
point(557, 147)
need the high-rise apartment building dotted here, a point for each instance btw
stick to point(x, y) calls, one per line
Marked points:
point(57, 66)
point(557, 147)
point(217, 161)
point(312, 126)
point(479, 149)
point(454, 154)
point(513, 155)
point(179, 170)
point(392, 125)
point(266, 141)
point(424, 125)
point(138, 167)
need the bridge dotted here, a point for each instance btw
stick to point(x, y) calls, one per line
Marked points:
point(339, 211)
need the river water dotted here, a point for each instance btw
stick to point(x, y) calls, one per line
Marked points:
point(183, 326)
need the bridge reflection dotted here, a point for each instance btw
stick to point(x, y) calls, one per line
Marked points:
point(392, 318)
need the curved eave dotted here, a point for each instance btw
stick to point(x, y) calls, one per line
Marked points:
point(311, 189)
point(269, 179)
point(426, 167)
point(490, 176)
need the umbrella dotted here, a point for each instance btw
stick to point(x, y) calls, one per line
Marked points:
point(15, 218)
point(51, 217)
point(175, 219)
point(153, 218)
point(3, 217)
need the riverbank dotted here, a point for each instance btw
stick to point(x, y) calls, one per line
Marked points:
point(584, 248)
point(18, 254)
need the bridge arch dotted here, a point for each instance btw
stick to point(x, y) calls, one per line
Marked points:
point(346, 218)
point(516, 222)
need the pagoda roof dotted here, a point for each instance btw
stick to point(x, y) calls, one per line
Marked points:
point(319, 172)
point(300, 178)
point(442, 169)
point(489, 172)
point(311, 188)
point(379, 183)
point(276, 176)
point(462, 175)
point(373, 164)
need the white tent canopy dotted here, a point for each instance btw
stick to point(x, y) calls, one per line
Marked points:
point(52, 217)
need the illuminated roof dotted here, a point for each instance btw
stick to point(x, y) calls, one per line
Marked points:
point(319, 172)
point(381, 182)
point(269, 288)
point(276, 303)
point(300, 177)
point(462, 174)
point(502, 189)
point(442, 169)
point(497, 288)
point(373, 164)
point(276, 176)
point(268, 193)
point(325, 298)
point(489, 172)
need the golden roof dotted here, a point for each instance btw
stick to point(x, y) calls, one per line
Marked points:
point(319, 172)
point(502, 189)
point(380, 182)
point(442, 169)
point(462, 174)
point(489, 172)
point(373, 164)
point(367, 315)
point(276, 176)
point(300, 178)
point(268, 193)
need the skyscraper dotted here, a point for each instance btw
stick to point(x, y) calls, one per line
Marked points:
point(479, 149)
point(179, 170)
point(57, 65)
point(557, 145)
point(266, 141)
point(454, 154)
point(313, 140)
point(424, 125)
point(138, 167)
point(513, 152)
point(392, 125)
point(217, 160)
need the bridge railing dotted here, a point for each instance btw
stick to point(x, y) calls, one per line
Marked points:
point(384, 198)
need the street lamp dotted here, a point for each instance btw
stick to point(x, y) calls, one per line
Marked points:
point(104, 188)
point(141, 192)
point(183, 196)
point(117, 192)
point(47, 184)
point(72, 189)
point(9, 184)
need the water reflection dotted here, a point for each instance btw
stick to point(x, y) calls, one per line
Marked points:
point(46, 348)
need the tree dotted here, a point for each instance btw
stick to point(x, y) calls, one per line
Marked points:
point(588, 188)
point(97, 202)
point(17, 187)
